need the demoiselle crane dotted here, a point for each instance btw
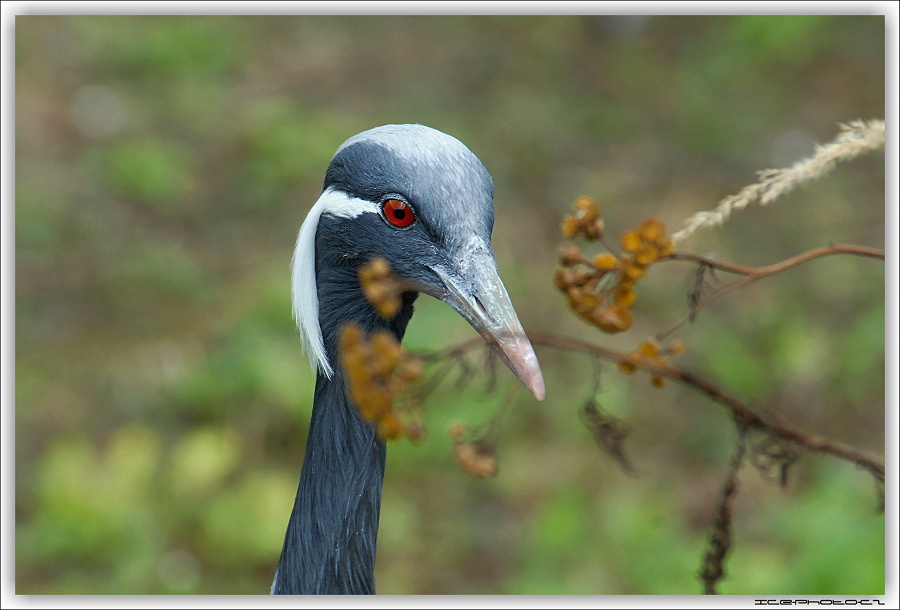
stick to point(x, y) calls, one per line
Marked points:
point(424, 202)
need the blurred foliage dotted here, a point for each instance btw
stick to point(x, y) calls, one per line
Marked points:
point(164, 165)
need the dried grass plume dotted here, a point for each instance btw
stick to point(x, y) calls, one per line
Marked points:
point(855, 138)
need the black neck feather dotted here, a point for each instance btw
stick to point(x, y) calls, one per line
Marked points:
point(329, 547)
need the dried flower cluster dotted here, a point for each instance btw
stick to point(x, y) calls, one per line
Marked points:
point(378, 373)
point(609, 431)
point(377, 367)
point(382, 288)
point(650, 354)
point(601, 289)
point(584, 220)
point(477, 457)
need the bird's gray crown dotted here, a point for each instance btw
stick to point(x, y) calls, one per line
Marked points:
point(446, 183)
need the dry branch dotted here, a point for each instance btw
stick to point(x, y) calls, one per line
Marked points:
point(751, 274)
point(720, 542)
point(745, 416)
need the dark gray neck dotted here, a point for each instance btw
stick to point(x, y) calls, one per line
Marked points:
point(329, 547)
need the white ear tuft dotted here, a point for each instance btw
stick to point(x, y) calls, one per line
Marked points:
point(303, 272)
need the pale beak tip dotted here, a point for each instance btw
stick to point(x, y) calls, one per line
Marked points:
point(522, 360)
point(535, 383)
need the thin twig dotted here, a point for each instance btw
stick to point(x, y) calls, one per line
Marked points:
point(720, 542)
point(751, 274)
point(787, 263)
point(743, 413)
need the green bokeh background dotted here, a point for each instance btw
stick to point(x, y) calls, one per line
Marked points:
point(164, 165)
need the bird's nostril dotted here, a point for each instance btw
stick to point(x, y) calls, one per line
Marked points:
point(480, 305)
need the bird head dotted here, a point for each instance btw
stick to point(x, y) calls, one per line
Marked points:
point(420, 199)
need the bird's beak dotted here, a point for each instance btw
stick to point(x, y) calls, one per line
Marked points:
point(475, 290)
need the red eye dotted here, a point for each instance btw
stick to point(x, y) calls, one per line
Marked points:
point(398, 213)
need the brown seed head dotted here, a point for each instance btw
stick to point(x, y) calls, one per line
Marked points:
point(569, 255)
point(476, 459)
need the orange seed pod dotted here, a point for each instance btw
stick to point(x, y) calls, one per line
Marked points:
point(630, 241)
